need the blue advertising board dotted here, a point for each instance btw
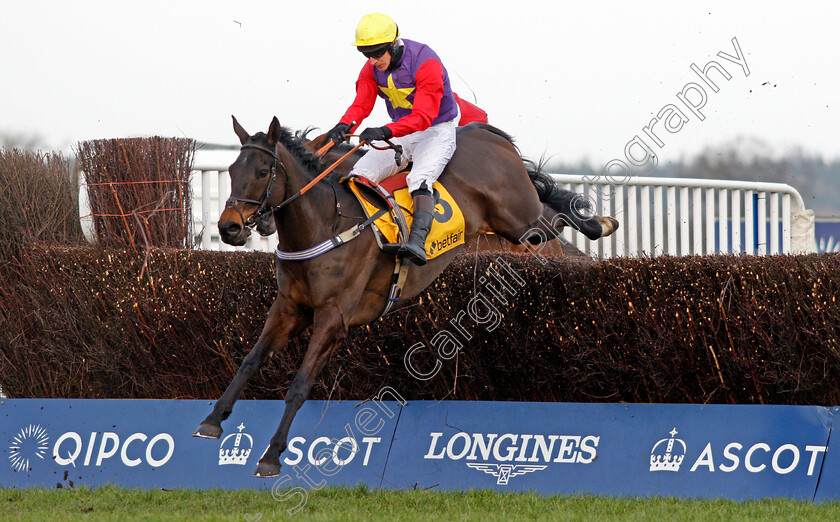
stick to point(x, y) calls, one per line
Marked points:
point(827, 235)
point(149, 443)
point(737, 452)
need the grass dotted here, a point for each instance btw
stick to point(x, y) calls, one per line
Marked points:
point(113, 503)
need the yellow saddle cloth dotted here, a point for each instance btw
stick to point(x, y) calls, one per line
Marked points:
point(447, 228)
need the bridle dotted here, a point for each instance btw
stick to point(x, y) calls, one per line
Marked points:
point(264, 208)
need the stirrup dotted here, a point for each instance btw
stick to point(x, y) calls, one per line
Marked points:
point(418, 259)
point(396, 249)
point(402, 252)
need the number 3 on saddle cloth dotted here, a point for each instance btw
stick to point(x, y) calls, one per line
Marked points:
point(447, 228)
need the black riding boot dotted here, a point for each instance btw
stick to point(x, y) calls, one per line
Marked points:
point(424, 208)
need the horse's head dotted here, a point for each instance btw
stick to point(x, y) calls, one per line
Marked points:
point(254, 186)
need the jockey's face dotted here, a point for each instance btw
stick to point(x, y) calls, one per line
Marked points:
point(382, 62)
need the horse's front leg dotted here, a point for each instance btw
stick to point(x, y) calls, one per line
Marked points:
point(285, 320)
point(328, 332)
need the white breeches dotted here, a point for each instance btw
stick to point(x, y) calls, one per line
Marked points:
point(429, 150)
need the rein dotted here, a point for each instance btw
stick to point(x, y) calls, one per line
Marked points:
point(320, 176)
point(398, 150)
point(264, 208)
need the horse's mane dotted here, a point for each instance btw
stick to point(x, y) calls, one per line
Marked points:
point(294, 144)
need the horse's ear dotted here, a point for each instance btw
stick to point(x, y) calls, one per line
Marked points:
point(242, 133)
point(274, 130)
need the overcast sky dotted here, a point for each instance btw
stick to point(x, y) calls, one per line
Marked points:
point(572, 80)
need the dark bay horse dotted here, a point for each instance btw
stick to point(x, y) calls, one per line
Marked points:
point(349, 285)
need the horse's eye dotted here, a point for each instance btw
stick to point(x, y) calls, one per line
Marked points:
point(263, 173)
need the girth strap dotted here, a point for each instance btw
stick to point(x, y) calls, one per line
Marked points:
point(329, 244)
point(397, 283)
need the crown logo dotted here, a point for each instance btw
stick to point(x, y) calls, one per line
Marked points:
point(235, 453)
point(669, 460)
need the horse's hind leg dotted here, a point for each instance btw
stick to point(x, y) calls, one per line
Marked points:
point(563, 207)
point(553, 218)
point(285, 320)
point(328, 332)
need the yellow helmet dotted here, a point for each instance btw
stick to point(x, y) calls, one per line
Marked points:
point(375, 29)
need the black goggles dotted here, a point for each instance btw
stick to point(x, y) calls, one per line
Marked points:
point(375, 53)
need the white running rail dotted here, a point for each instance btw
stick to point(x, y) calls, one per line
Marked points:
point(684, 216)
point(674, 216)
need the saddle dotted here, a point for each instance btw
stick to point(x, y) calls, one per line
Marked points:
point(371, 194)
point(392, 228)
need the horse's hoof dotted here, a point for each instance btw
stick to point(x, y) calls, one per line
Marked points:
point(208, 431)
point(267, 469)
point(608, 226)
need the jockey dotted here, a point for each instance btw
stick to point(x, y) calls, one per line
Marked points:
point(424, 113)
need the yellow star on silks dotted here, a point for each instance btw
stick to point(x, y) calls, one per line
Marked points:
point(398, 97)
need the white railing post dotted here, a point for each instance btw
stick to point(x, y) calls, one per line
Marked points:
point(723, 220)
point(698, 221)
point(658, 222)
point(736, 222)
point(672, 221)
point(632, 222)
point(685, 206)
point(255, 241)
point(786, 224)
point(774, 223)
point(593, 247)
point(647, 249)
point(749, 222)
point(206, 182)
point(762, 223)
point(710, 221)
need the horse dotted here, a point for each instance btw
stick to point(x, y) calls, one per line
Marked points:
point(349, 285)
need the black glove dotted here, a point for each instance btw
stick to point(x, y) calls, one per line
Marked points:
point(337, 133)
point(375, 133)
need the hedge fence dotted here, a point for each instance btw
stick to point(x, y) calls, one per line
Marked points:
point(94, 323)
point(139, 190)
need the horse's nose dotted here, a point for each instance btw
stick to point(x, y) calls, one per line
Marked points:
point(230, 229)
